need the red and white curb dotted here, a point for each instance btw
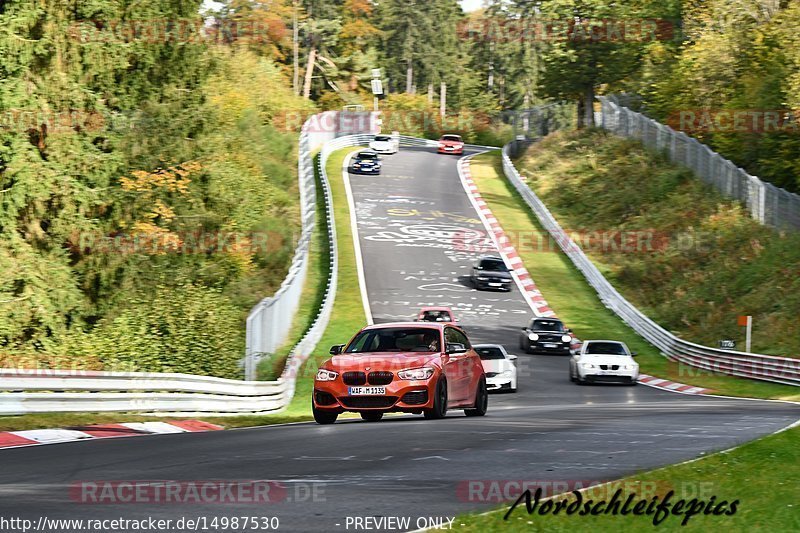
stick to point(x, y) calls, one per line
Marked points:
point(33, 437)
point(525, 281)
point(674, 386)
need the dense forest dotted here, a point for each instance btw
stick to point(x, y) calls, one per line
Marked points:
point(147, 183)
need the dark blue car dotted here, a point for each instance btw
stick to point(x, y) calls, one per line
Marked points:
point(366, 162)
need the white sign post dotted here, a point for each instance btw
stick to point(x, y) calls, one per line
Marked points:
point(749, 333)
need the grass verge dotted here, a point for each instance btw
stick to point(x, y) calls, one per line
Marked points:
point(348, 311)
point(574, 300)
point(759, 474)
point(313, 292)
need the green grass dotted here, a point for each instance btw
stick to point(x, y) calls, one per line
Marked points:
point(573, 299)
point(762, 475)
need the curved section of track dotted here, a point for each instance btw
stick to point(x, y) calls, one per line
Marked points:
point(415, 226)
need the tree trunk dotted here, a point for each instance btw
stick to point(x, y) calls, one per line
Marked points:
point(430, 94)
point(295, 51)
point(442, 99)
point(588, 107)
point(312, 57)
point(409, 77)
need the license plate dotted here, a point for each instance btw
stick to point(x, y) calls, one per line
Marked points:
point(359, 391)
point(495, 284)
point(448, 148)
point(549, 345)
point(605, 372)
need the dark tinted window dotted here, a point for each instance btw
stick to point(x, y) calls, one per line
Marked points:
point(367, 155)
point(382, 138)
point(395, 340)
point(547, 325)
point(456, 336)
point(490, 353)
point(606, 348)
point(436, 316)
point(493, 265)
point(456, 138)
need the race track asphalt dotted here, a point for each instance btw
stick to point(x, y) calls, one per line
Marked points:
point(405, 466)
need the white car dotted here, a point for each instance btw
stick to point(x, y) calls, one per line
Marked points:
point(384, 144)
point(603, 361)
point(501, 372)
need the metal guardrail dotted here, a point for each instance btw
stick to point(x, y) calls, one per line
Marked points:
point(747, 365)
point(37, 391)
point(270, 321)
point(767, 203)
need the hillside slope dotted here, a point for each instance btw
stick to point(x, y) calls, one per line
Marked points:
point(689, 258)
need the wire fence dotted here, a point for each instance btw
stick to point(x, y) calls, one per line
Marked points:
point(767, 203)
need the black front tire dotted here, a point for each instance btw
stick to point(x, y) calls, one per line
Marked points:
point(323, 417)
point(481, 401)
point(372, 416)
point(439, 409)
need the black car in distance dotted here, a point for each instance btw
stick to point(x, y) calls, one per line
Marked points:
point(366, 162)
point(491, 272)
point(545, 335)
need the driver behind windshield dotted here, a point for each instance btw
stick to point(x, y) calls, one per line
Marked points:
point(431, 341)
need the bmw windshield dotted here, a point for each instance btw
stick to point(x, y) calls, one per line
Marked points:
point(391, 340)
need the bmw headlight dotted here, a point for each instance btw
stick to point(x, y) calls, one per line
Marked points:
point(326, 375)
point(533, 336)
point(416, 374)
point(482, 278)
point(587, 365)
point(566, 338)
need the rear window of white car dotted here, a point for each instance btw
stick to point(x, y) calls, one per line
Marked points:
point(490, 353)
point(381, 138)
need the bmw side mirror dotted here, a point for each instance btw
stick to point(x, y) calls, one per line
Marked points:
point(455, 347)
point(524, 329)
point(634, 354)
point(336, 349)
point(512, 357)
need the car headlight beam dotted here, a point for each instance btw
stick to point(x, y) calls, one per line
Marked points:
point(566, 338)
point(533, 336)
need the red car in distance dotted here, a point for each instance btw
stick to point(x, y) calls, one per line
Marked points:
point(408, 367)
point(451, 144)
point(436, 314)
